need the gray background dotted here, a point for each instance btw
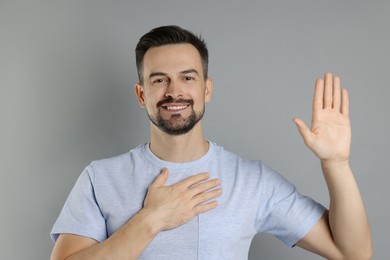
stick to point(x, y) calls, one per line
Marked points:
point(67, 72)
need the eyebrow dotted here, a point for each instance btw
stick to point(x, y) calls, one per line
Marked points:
point(189, 71)
point(154, 74)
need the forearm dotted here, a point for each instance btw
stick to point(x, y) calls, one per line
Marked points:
point(165, 207)
point(347, 216)
point(127, 243)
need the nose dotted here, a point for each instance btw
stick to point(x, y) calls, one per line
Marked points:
point(174, 90)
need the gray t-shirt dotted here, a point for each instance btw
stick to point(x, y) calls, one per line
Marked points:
point(255, 199)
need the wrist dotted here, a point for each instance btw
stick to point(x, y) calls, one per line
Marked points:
point(151, 220)
point(335, 165)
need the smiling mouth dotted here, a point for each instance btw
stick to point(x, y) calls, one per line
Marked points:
point(175, 108)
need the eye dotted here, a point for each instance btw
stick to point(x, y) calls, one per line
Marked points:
point(188, 78)
point(159, 81)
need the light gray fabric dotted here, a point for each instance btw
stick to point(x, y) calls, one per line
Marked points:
point(255, 199)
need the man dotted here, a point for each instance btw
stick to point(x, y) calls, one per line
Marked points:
point(182, 197)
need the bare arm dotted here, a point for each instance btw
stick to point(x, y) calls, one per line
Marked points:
point(343, 232)
point(128, 242)
point(165, 207)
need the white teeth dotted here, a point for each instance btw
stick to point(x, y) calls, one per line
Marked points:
point(175, 107)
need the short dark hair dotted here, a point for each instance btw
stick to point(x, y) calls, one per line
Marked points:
point(170, 34)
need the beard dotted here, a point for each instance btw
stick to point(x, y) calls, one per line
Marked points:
point(177, 124)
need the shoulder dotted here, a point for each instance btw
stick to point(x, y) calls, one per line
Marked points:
point(221, 153)
point(239, 165)
point(230, 157)
point(245, 167)
point(115, 165)
point(111, 162)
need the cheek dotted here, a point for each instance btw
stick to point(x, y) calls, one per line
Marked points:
point(151, 103)
point(150, 99)
point(199, 103)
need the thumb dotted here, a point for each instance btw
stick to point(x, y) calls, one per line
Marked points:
point(303, 130)
point(161, 178)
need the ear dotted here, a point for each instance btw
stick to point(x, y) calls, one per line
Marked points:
point(140, 93)
point(209, 90)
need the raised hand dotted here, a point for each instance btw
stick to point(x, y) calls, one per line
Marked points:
point(177, 204)
point(330, 134)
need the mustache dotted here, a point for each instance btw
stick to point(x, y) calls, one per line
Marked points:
point(171, 100)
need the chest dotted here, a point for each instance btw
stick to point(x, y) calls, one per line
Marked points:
point(225, 231)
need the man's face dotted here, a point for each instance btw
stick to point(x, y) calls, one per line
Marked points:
point(174, 90)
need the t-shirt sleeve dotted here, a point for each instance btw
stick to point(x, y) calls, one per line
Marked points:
point(81, 214)
point(288, 215)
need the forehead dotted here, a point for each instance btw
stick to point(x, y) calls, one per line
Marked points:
point(172, 58)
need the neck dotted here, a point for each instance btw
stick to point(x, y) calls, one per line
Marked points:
point(181, 148)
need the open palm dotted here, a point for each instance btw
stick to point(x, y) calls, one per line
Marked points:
point(330, 134)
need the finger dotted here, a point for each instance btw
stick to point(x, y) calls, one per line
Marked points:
point(193, 180)
point(202, 208)
point(336, 93)
point(206, 196)
point(328, 90)
point(161, 178)
point(345, 102)
point(204, 186)
point(303, 130)
point(318, 95)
